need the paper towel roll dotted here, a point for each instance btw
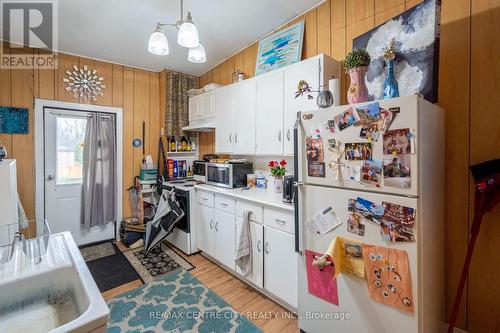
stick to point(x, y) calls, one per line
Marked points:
point(334, 87)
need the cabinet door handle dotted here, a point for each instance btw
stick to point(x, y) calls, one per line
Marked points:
point(280, 222)
point(266, 248)
point(223, 204)
point(279, 135)
point(211, 224)
point(236, 138)
point(230, 137)
point(288, 134)
point(259, 246)
point(217, 226)
point(204, 198)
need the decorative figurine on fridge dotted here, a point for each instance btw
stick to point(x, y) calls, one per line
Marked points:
point(390, 84)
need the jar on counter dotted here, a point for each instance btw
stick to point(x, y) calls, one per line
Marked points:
point(251, 180)
point(260, 181)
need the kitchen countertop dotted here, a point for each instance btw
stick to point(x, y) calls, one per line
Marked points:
point(265, 197)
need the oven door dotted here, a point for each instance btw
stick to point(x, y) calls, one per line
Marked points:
point(182, 198)
point(219, 175)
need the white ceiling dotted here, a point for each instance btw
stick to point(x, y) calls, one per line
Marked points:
point(118, 30)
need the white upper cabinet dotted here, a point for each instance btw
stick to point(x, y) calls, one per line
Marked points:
point(195, 108)
point(224, 110)
point(208, 104)
point(316, 71)
point(269, 120)
point(244, 117)
point(256, 116)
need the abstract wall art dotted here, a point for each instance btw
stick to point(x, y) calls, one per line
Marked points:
point(14, 120)
point(416, 36)
point(280, 49)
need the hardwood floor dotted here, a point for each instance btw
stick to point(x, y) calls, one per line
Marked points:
point(258, 308)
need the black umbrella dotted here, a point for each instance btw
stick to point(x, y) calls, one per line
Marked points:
point(166, 217)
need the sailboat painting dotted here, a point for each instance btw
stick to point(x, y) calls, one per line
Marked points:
point(280, 49)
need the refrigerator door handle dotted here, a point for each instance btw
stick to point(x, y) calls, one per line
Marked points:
point(296, 182)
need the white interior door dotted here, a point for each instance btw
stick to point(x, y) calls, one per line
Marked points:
point(63, 153)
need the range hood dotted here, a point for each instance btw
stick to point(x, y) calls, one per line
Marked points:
point(205, 125)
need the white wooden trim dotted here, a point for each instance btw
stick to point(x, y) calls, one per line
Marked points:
point(40, 105)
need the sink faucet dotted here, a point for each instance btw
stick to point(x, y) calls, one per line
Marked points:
point(18, 237)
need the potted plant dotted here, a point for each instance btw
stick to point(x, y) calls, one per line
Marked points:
point(278, 170)
point(356, 65)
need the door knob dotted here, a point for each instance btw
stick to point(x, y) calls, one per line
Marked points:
point(50, 177)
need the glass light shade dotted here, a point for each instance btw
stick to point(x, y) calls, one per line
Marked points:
point(197, 54)
point(158, 43)
point(188, 35)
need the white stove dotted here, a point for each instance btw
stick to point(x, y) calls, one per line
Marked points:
point(184, 234)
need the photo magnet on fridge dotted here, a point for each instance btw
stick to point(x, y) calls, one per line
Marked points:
point(314, 149)
point(347, 118)
point(397, 222)
point(358, 151)
point(369, 113)
point(397, 171)
point(316, 169)
point(397, 141)
point(388, 276)
point(370, 211)
point(371, 172)
point(355, 223)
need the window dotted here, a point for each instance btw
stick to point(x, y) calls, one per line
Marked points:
point(70, 141)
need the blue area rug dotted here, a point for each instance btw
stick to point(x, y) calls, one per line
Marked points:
point(177, 302)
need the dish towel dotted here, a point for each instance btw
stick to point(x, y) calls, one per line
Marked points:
point(244, 249)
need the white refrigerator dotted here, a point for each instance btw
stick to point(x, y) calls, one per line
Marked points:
point(418, 183)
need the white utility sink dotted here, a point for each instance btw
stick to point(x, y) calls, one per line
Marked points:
point(45, 286)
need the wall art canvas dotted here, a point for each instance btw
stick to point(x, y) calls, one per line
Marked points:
point(280, 49)
point(14, 120)
point(416, 36)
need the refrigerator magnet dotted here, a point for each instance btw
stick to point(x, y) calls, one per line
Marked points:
point(316, 169)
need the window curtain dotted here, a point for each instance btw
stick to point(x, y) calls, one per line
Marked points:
point(99, 171)
point(177, 113)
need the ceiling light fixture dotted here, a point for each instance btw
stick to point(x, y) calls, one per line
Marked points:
point(197, 54)
point(187, 37)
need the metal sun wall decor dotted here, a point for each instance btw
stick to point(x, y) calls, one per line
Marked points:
point(84, 83)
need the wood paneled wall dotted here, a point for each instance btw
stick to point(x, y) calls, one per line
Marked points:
point(468, 90)
point(136, 91)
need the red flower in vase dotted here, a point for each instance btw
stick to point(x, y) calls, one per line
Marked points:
point(283, 163)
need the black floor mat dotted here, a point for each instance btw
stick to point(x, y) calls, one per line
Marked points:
point(112, 271)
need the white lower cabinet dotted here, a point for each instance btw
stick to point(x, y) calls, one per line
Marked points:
point(224, 241)
point(280, 265)
point(257, 235)
point(205, 230)
point(274, 266)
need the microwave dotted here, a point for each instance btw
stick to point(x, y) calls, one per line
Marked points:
point(229, 175)
point(199, 169)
